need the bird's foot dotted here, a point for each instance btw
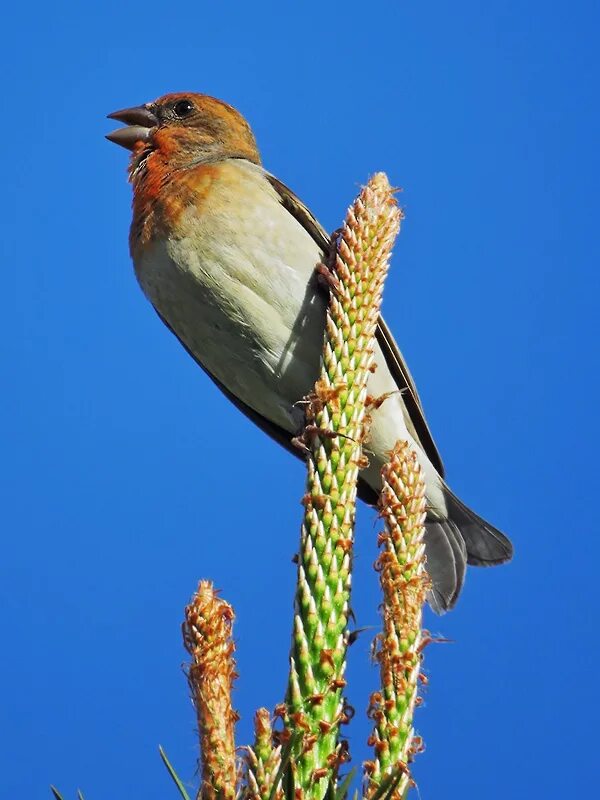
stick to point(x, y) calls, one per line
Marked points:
point(327, 278)
point(311, 432)
point(300, 444)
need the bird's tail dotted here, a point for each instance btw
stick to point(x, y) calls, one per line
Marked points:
point(452, 543)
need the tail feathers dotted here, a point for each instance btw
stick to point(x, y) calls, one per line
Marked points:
point(451, 543)
point(446, 563)
point(485, 544)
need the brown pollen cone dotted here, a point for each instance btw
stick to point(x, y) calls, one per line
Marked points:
point(207, 636)
point(404, 583)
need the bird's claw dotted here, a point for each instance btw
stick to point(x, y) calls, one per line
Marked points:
point(327, 279)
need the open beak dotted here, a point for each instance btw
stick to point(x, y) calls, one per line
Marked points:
point(139, 122)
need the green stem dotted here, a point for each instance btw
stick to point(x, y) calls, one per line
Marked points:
point(336, 417)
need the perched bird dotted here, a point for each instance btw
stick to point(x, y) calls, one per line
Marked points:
point(226, 254)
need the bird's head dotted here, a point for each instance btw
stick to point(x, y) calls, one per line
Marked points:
point(184, 129)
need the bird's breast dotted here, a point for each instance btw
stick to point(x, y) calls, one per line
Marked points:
point(232, 273)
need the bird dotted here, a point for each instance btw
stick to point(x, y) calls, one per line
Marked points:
point(227, 255)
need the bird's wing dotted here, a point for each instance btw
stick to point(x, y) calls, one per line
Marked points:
point(391, 352)
point(404, 381)
point(276, 432)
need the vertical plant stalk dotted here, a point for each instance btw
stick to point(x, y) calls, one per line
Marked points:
point(263, 761)
point(207, 636)
point(336, 421)
point(404, 583)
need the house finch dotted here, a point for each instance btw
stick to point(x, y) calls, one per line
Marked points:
point(226, 254)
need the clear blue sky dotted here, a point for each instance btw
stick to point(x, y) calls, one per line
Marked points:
point(114, 496)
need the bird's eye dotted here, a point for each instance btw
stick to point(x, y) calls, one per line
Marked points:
point(183, 108)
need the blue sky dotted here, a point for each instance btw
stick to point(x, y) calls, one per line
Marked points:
point(114, 496)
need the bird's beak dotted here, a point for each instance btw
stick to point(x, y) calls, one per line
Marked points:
point(139, 120)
